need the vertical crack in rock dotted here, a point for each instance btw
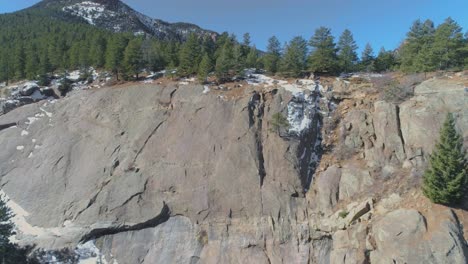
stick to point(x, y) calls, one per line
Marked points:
point(96, 233)
point(400, 133)
point(147, 139)
point(256, 111)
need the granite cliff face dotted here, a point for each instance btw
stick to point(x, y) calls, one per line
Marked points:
point(175, 174)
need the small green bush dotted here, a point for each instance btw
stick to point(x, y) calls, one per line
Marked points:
point(278, 121)
point(343, 214)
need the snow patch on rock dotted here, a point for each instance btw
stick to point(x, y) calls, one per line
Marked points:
point(89, 11)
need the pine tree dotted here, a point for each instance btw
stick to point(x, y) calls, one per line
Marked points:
point(133, 58)
point(385, 61)
point(273, 56)
point(294, 61)
point(367, 59)
point(9, 252)
point(246, 46)
point(189, 56)
point(19, 62)
point(347, 55)
point(252, 58)
point(205, 68)
point(97, 51)
point(448, 43)
point(323, 57)
point(32, 62)
point(239, 58)
point(446, 179)
point(5, 67)
point(416, 51)
point(6, 226)
point(115, 53)
point(225, 62)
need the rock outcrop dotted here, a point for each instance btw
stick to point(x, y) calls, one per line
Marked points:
point(169, 174)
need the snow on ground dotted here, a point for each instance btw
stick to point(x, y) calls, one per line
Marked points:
point(74, 75)
point(45, 112)
point(206, 89)
point(24, 133)
point(90, 11)
point(88, 253)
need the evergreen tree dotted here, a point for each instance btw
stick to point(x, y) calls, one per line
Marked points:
point(225, 62)
point(323, 57)
point(9, 252)
point(367, 59)
point(273, 56)
point(239, 58)
point(115, 53)
point(98, 50)
point(189, 56)
point(347, 55)
point(156, 59)
point(245, 46)
point(6, 226)
point(205, 68)
point(133, 58)
point(19, 62)
point(448, 43)
point(446, 179)
point(416, 51)
point(294, 61)
point(6, 69)
point(32, 62)
point(385, 61)
point(252, 58)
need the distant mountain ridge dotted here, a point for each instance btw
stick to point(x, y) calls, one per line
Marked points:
point(116, 16)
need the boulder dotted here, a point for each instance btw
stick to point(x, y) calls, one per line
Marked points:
point(327, 186)
point(354, 181)
point(28, 88)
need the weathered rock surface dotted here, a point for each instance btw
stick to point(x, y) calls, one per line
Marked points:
point(403, 236)
point(168, 174)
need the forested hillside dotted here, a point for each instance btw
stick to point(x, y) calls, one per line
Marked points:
point(38, 42)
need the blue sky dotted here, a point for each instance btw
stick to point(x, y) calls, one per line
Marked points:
point(382, 23)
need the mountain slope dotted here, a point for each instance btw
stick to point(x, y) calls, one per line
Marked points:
point(116, 16)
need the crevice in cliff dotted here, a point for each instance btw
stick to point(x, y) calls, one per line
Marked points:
point(93, 199)
point(400, 133)
point(256, 112)
point(138, 194)
point(147, 139)
point(162, 217)
point(305, 119)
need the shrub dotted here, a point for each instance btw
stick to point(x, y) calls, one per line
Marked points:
point(278, 121)
point(446, 179)
point(343, 214)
